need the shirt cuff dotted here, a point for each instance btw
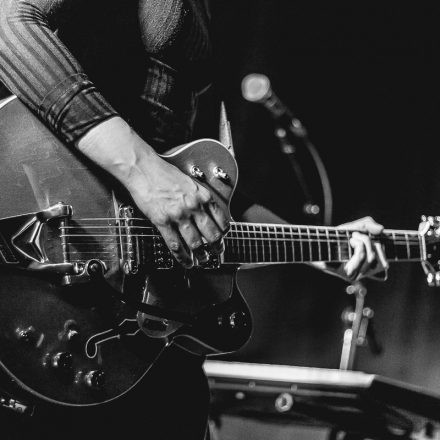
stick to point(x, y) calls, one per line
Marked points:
point(73, 107)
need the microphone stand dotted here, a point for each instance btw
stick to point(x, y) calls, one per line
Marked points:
point(360, 330)
point(296, 130)
point(287, 147)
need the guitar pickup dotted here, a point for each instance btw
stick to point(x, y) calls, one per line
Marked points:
point(129, 241)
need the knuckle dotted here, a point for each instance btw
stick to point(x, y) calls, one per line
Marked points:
point(185, 227)
point(195, 245)
point(175, 246)
point(204, 195)
point(215, 236)
point(161, 220)
point(193, 204)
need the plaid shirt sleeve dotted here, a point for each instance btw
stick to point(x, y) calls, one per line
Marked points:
point(39, 69)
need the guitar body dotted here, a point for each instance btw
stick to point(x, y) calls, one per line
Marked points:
point(83, 342)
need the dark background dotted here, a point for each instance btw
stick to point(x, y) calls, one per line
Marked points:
point(362, 79)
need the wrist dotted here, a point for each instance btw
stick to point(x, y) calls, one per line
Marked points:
point(115, 147)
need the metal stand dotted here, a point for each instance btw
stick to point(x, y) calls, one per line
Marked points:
point(360, 329)
point(310, 207)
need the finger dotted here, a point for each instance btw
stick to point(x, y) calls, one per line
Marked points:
point(365, 224)
point(176, 245)
point(354, 264)
point(370, 252)
point(210, 231)
point(193, 240)
point(380, 256)
point(219, 216)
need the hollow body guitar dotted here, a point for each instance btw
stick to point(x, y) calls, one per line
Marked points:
point(89, 293)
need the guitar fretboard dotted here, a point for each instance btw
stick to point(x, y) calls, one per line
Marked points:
point(244, 243)
point(266, 243)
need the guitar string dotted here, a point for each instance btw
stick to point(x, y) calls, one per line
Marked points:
point(280, 225)
point(283, 239)
point(252, 235)
point(258, 235)
point(257, 229)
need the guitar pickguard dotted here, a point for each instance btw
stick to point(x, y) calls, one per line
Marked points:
point(128, 327)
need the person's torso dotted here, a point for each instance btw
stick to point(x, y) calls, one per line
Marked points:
point(149, 58)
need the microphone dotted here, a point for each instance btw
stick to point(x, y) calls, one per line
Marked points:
point(256, 88)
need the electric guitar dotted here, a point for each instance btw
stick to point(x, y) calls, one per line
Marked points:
point(90, 294)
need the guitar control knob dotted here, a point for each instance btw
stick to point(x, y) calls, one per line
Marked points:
point(233, 321)
point(95, 379)
point(197, 172)
point(72, 335)
point(62, 361)
point(26, 334)
point(220, 174)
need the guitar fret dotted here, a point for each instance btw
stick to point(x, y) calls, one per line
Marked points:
point(292, 244)
point(262, 243)
point(300, 245)
point(258, 243)
point(350, 251)
point(309, 243)
point(273, 243)
point(253, 243)
point(284, 244)
point(276, 244)
point(318, 235)
point(328, 245)
point(408, 249)
point(244, 242)
point(251, 254)
point(270, 244)
point(393, 236)
point(339, 246)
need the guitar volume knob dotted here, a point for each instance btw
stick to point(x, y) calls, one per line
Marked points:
point(72, 335)
point(62, 361)
point(220, 174)
point(197, 172)
point(95, 379)
point(27, 334)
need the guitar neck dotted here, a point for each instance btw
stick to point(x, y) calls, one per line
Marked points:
point(265, 243)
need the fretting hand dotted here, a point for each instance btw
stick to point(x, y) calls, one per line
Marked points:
point(368, 258)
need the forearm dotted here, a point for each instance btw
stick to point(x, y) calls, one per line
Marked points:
point(39, 69)
point(115, 147)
